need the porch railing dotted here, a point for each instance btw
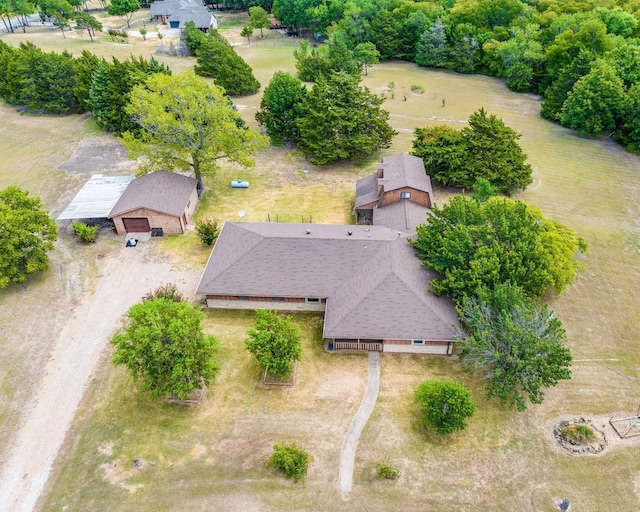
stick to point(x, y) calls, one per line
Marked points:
point(357, 346)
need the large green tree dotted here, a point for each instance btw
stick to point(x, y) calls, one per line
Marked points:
point(366, 54)
point(259, 18)
point(26, 234)
point(556, 94)
point(188, 124)
point(594, 104)
point(518, 346)
point(487, 148)
point(217, 59)
point(431, 48)
point(84, 67)
point(281, 106)
point(275, 342)
point(446, 405)
point(384, 33)
point(165, 348)
point(111, 86)
point(84, 21)
point(474, 244)
point(342, 120)
point(123, 9)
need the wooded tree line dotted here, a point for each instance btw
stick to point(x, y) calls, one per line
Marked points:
point(47, 82)
point(582, 56)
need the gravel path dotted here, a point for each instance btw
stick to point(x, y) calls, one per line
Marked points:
point(348, 455)
point(125, 276)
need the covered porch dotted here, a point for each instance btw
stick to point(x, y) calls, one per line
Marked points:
point(356, 345)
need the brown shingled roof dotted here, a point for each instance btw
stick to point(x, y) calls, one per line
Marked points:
point(366, 190)
point(161, 191)
point(374, 285)
point(403, 215)
point(403, 170)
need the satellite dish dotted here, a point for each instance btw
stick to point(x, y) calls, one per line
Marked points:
point(241, 214)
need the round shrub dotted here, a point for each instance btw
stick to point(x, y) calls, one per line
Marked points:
point(290, 460)
point(446, 405)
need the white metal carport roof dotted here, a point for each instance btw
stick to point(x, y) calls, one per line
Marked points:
point(97, 197)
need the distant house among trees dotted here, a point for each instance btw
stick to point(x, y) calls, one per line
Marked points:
point(176, 13)
point(162, 201)
point(365, 278)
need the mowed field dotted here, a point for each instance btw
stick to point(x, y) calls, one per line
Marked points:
point(213, 457)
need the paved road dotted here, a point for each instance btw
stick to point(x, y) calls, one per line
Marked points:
point(348, 455)
point(126, 275)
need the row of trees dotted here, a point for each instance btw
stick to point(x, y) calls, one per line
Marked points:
point(336, 119)
point(582, 59)
point(167, 352)
point(497, 258)
point(58, 83)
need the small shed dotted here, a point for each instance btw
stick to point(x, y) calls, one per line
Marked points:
point(163, 202)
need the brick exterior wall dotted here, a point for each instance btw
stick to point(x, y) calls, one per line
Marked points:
point(170, 225)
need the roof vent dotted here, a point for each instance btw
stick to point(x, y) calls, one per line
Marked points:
point(349, 232)
point(308, 231)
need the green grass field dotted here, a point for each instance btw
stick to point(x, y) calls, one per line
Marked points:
point(213, 456)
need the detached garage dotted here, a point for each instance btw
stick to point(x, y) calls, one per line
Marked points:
point(163, 202)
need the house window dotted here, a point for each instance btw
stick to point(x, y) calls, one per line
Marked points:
point(312, 299)
point(405, 195)
point(243, 297)
point(277, 298)
point(417, 342)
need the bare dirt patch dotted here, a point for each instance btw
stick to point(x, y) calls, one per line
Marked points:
point(98, 154)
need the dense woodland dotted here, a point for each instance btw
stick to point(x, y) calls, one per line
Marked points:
point(582, 56)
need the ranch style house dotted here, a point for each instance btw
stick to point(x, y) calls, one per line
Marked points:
point(366, 278)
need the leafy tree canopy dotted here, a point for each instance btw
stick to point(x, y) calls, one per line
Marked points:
point(124, 9)
point(188, 124)
point(26, 234)
point(84, 20)
point(165, 349)
point(516, 345)
point(275, 342)
point(487, 148)
point(259, 18)
point(446, 405)
point(474, 244)
point(342, 120)
point(281, 106)
point(595, 102)
point(367, 55)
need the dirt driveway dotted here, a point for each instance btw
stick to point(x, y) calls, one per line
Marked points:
point(125, 274)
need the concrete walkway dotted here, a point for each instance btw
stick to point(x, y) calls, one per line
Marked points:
point(348, 454)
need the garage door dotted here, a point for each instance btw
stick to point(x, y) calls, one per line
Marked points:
point(132, 225)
